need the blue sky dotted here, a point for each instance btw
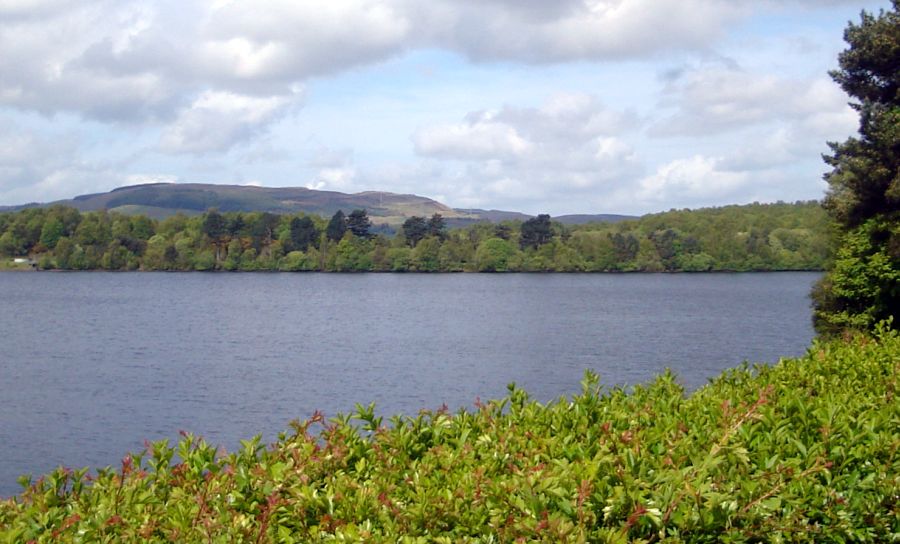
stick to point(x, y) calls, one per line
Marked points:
point(563, 106)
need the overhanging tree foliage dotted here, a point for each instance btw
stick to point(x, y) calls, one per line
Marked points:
point(863, 286)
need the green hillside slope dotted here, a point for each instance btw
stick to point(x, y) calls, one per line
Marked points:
point(164, 199)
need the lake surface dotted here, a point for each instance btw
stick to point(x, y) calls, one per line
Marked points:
point(92, 364)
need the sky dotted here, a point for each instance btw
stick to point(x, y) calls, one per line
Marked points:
point(539, 106)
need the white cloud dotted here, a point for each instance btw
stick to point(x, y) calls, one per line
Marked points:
point(568, 116)
point(134, 60)
point(568, 124)
point(142, 179)
point(710, 100)
point(776, 149)
point(575, 30)
point(479, 137)
point(44, 168)
point(761, 134)
point(78, 57)
point(284, 40)
point(217, 121)
point(201, 77)
point(325, 157)
point(26, 158)
point(570, 147)
point(694, 179)
point(335, 179)
point(23, 9)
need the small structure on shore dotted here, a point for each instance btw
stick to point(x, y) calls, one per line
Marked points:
point(26, 261)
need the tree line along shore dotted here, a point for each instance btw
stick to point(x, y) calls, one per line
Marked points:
point(736, 238)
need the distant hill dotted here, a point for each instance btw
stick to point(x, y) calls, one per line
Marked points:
point(164, 199)
point(473, 215)
point(161, 200)
point(494, 216)
point(582, 219)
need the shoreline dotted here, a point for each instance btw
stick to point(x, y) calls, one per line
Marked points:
point(402, 272)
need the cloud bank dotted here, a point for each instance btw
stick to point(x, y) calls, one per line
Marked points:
point(132, 60)
point(197, 82)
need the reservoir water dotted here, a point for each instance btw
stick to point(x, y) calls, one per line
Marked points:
point(92, 364)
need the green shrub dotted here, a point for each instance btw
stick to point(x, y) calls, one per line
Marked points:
point(804, 450)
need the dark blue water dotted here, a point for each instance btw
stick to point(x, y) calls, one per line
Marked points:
point(92, 364)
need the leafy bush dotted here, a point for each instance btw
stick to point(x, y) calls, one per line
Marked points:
point(805, 450)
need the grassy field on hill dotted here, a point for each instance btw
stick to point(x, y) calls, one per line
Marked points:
point(804, 450)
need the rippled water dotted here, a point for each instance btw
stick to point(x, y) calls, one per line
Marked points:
point(92, 364)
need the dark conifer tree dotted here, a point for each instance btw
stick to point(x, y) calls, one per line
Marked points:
point(535, 232)
point(415, 229)
point(303, 233)
point(337, 226)
point(359, 224)
point(863, 285)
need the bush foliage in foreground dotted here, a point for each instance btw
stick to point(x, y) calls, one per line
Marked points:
point(807, 449)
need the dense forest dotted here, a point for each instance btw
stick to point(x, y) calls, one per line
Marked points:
point(751, 237)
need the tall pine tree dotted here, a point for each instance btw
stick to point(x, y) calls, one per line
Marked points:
point(862, 286)
point(337, 226)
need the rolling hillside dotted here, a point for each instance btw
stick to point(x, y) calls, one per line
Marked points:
point(161, 200)
point(165, 199)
